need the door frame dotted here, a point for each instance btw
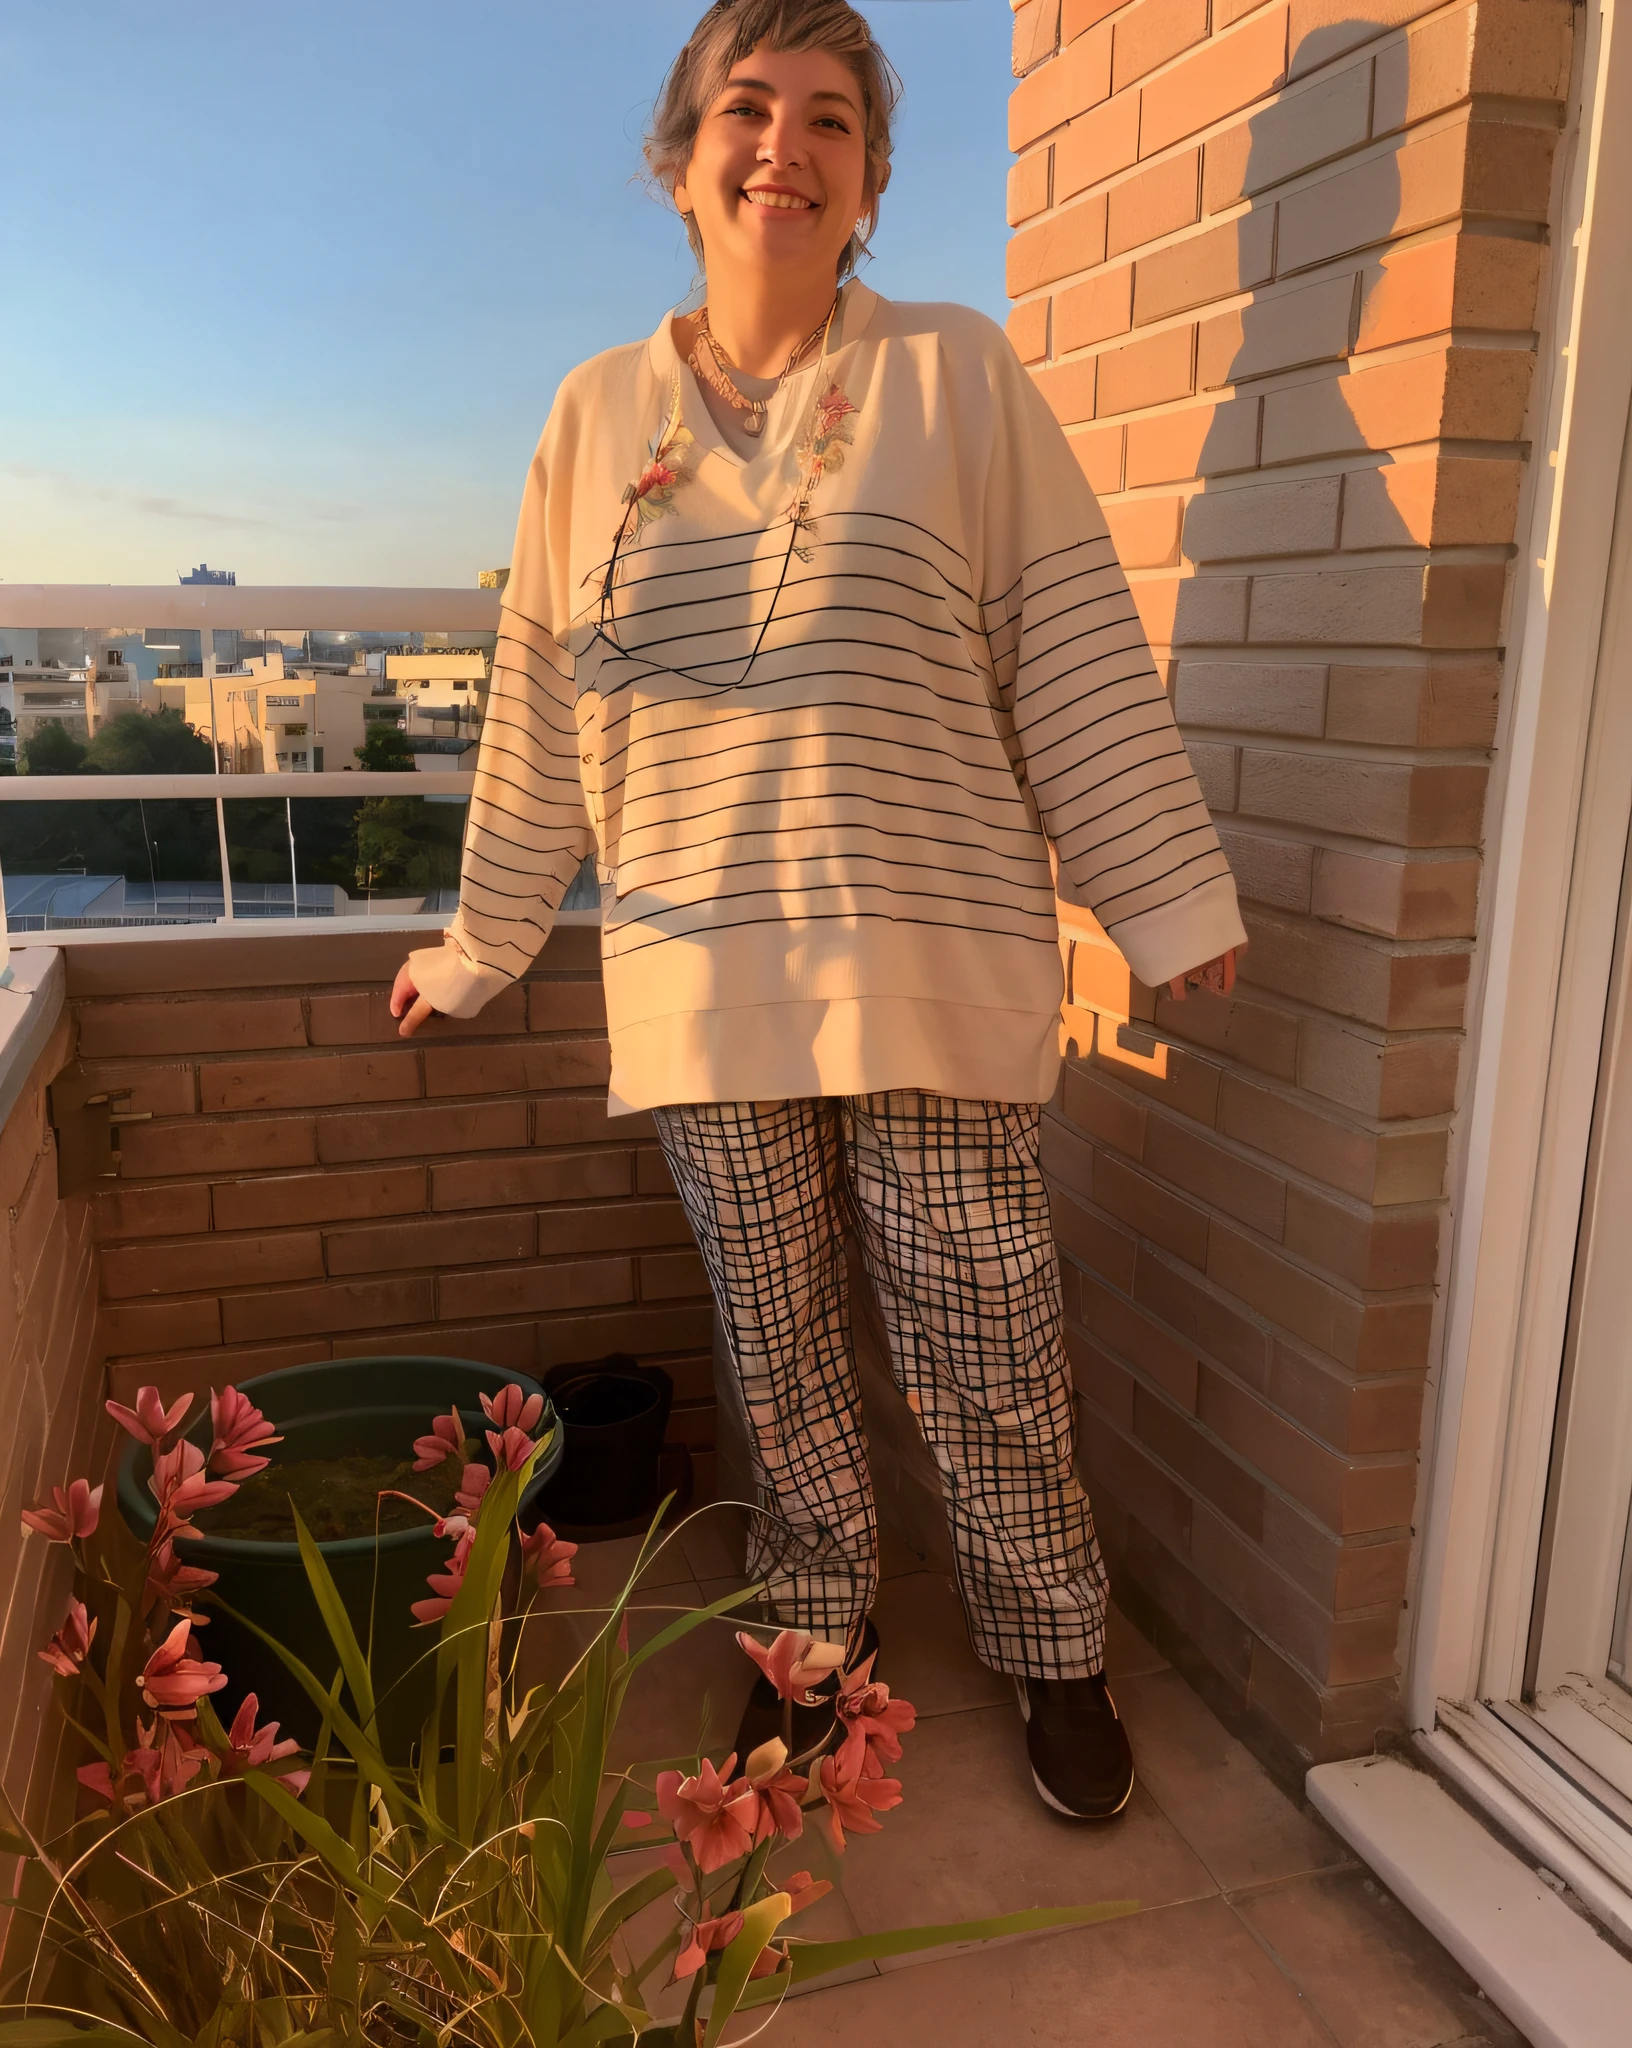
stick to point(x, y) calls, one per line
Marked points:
point(1560, 806)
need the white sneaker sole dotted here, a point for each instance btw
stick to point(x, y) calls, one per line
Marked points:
point(1043, 1793)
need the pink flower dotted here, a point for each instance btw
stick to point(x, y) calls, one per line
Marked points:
point(872, 1720)
point(794, 1663)
point(70, 1515)
point(855, 1799)
point(707, 1937)
point(472, 1486)
point(240, 1430)
point(656, 476)
point(180, 1486)
point(714, 1818)
point(150, 1422)
point(509, 1408)
point(158, 1768)
point(548, 1556)
point(780, 1791)
point(170, 1580)
point(446, 1440)
point(804, 1890)
point(66, 1650)
point(453, 1526)
point(511, 1450)
point(445, 1584)
point(251, 1748)
point(173, 1680)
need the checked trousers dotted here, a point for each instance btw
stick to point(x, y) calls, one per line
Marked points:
point(947, 1203)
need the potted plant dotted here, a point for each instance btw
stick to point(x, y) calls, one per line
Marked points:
point(224, 1887)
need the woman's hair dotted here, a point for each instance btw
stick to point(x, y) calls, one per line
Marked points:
point(725, 35)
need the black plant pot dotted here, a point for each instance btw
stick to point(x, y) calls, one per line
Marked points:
point(613, 1418)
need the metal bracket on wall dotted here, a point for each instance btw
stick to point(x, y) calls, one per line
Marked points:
point(87, 1123)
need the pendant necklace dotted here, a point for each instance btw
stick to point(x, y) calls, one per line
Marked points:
point(709, 362)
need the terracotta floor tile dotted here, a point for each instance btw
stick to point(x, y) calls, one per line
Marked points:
point(1190, 1976)
point(1219, 1797)
point(971, 1837)
point(1373, 1973)
point(925, 1647)
point(712, 1541)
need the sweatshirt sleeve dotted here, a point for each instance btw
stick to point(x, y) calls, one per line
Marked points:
point(1092, 729)
point(528, 830)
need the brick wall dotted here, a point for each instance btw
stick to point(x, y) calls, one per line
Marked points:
point(1277, 269)
point(312, 1186)
point(54, 1427)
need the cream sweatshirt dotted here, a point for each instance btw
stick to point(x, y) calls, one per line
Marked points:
point(821, 713)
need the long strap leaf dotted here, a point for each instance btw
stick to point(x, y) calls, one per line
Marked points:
point(759, 1923)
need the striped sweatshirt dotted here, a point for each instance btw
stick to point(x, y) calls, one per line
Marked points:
point(836, 720)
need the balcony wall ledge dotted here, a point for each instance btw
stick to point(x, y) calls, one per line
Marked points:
point(30, 1004)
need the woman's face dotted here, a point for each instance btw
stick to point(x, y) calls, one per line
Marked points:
point(778, 173)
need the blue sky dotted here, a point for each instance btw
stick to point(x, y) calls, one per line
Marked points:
point(290, 286)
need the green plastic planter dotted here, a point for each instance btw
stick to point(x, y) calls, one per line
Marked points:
point(374, 1406)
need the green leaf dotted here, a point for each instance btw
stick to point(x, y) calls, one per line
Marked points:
point(629, 1901)
point(317, 1834)
point(817, 1958)
point(759, 1923)
point(685, 1623)
point(337, 1621)
point(64, 2033)
point(13, 1844)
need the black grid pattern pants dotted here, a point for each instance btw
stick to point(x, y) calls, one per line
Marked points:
point(947, 1201)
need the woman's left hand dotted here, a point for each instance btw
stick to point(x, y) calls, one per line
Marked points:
point(1217, 977)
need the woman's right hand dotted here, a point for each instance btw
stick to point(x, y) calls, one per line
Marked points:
point(408, 1004)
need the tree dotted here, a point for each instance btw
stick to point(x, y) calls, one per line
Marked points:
point(51, 749)
point(385, 747)
point(150, 743)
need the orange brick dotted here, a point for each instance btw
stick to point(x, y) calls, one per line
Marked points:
point(1099, 453)
point(1122, 1326)
point(1226, 259)
point(1453, 502)
point(1028, 187)
point(1036, 33)
point(1092, 1105)
point(1444, 702)
point(1156, 202)
point(1028, 330)
point(1073, 239)
point(517, 1069)
point(363, 1017)
point(536, 1289)
point(1271, 871)
point(1201, 1314)
point(579, 1120)
point(1097, 145)
point(1211, 610)
point(1148, 372)
point(1385, 1079)
point(1397, 899)
point(673, 1276)
point(1253, 1034)
point(1380, 1167)
point(1300, 130)
point(611, 1227)
point(511, 1346)
point(1323, 29)
point(1230, 72)
point(151, 1212)
point(1205, 1468)
point(309, 1083)
point(563, 1005)
point(1152, 33)
point(160, 1326)
point(1402, 805)
point(1089, 1239)
point(1079, 77)
point(168, 1090)
point(1373, 1248)
point(1354, 976)
point(193, 1264)
point(336, 1305)
point(418, 1133)
point(1151, 1210)
point(1078, 16)
point(543, 1177)
point(1205, 440)
point(1225, 1179)
point(1286, 332)
point(175, 1027)
point(1292, 518)
point(1145, 531)
point(652, 1175)
point(430, 1243)
point(1100, 1378)
point(1069, 388)
point(198, 1146)
point(1094, 310)
point(645, 1331)
point(192, 1372)
point(317, 1197)
point(1461, 394)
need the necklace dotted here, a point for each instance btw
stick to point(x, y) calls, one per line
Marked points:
point(709, 362)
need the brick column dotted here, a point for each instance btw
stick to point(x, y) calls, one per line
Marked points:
point(1276, 269)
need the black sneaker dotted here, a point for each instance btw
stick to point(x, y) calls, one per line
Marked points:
point(1080, 1760)
point(814, 1728)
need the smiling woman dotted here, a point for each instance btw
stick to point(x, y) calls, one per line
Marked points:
point(814, 635)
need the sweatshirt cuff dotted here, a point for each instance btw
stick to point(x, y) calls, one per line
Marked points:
point(1159, 944)
point(453, 983)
